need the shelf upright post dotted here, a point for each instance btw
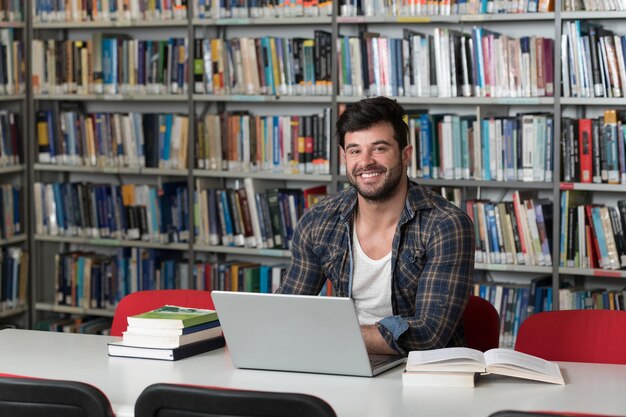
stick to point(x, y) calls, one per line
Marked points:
point(556, 157)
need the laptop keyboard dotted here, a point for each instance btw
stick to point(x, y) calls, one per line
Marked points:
point(379, 360)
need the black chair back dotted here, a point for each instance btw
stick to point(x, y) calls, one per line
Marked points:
point(170, 400)
point(29, 397)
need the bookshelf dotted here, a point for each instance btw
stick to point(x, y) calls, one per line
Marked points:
point(110, 103)
point(581, 272)
point(13, 167)
point(234, 99)
point(47, 245)
point(264, 104)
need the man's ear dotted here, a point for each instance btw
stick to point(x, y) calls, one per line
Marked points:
point(407, 153)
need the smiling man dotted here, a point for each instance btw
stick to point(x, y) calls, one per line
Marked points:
point(403, 253)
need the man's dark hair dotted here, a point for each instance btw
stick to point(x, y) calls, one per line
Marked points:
point(370, 111)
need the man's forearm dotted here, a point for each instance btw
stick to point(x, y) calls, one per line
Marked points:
point(374, 341)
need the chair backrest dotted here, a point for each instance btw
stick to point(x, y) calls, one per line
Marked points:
point(597, 336)
point(171, 400)
point(142, 301)
point(481, 323)
point(33, 397)
point(517, 413)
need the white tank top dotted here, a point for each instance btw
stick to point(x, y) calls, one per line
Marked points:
point(371, 285)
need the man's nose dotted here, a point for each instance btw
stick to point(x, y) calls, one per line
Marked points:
point(367, 158)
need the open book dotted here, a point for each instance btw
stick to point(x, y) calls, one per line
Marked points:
point(449, 366)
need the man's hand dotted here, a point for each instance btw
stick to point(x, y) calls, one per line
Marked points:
point(374, 341)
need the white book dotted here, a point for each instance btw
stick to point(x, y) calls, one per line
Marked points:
point(528, 147)
point(505, 362)
point(39, 199)
point(439, 379)
point(447, 148)
point(254, 212)
point(620, 61)
point(132, 337)
point(171, 354)
point(565, 65)
point(356, 67)
point(51, 210)
point(535, 239)
point(539, 165)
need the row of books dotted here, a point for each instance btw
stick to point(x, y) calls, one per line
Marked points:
point(12, 63)
point(107, 10)
point(10, 139)
point(515, 232)
point(593, 5)
point(100, 281)
point(240, 141)
point(238, 275)
point(450, 146)
point(592, 61)
point(105, 211)
point(255, 215)
point(13, 278)
point(592, 235)
point(71, 136)
point(448, 63)
point(110, 64)
point(577, 298)
point(11, 11)
point(593, 149)
point(87, 325)
point(513, 304)
point(11, 211)
point(217, 9)
point(266, 65)
point(408, 8)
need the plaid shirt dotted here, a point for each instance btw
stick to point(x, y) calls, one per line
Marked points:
point(432, 265)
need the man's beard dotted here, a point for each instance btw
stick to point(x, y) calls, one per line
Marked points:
point(382, 192)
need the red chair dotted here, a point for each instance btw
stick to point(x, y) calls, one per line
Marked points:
point(597, 336)
point(482, 324)
point(142, 301)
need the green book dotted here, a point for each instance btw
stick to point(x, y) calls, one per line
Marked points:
point(172, 317)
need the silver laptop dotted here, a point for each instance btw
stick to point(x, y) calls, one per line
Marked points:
point(298, 333)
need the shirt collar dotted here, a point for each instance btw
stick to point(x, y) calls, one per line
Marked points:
point(418, 198)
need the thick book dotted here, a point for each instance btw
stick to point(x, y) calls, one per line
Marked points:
point(494, 361)
point(172, 317)
point(142, 339)
point(173, 332)
point(173, 354)
point(439, 379)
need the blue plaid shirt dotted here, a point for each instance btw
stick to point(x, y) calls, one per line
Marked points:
point(432, 265)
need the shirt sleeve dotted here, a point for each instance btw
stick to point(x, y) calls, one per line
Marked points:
point(304, 275)
point(443, 289)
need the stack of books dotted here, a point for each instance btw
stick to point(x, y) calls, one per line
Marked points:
point(460, 367)
point(169, 333)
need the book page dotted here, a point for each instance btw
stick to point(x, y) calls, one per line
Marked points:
point(448, 359)
point(522, 365)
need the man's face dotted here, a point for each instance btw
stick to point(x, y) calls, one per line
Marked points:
point(375, 166)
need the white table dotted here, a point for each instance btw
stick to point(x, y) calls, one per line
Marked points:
point(589, 388)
